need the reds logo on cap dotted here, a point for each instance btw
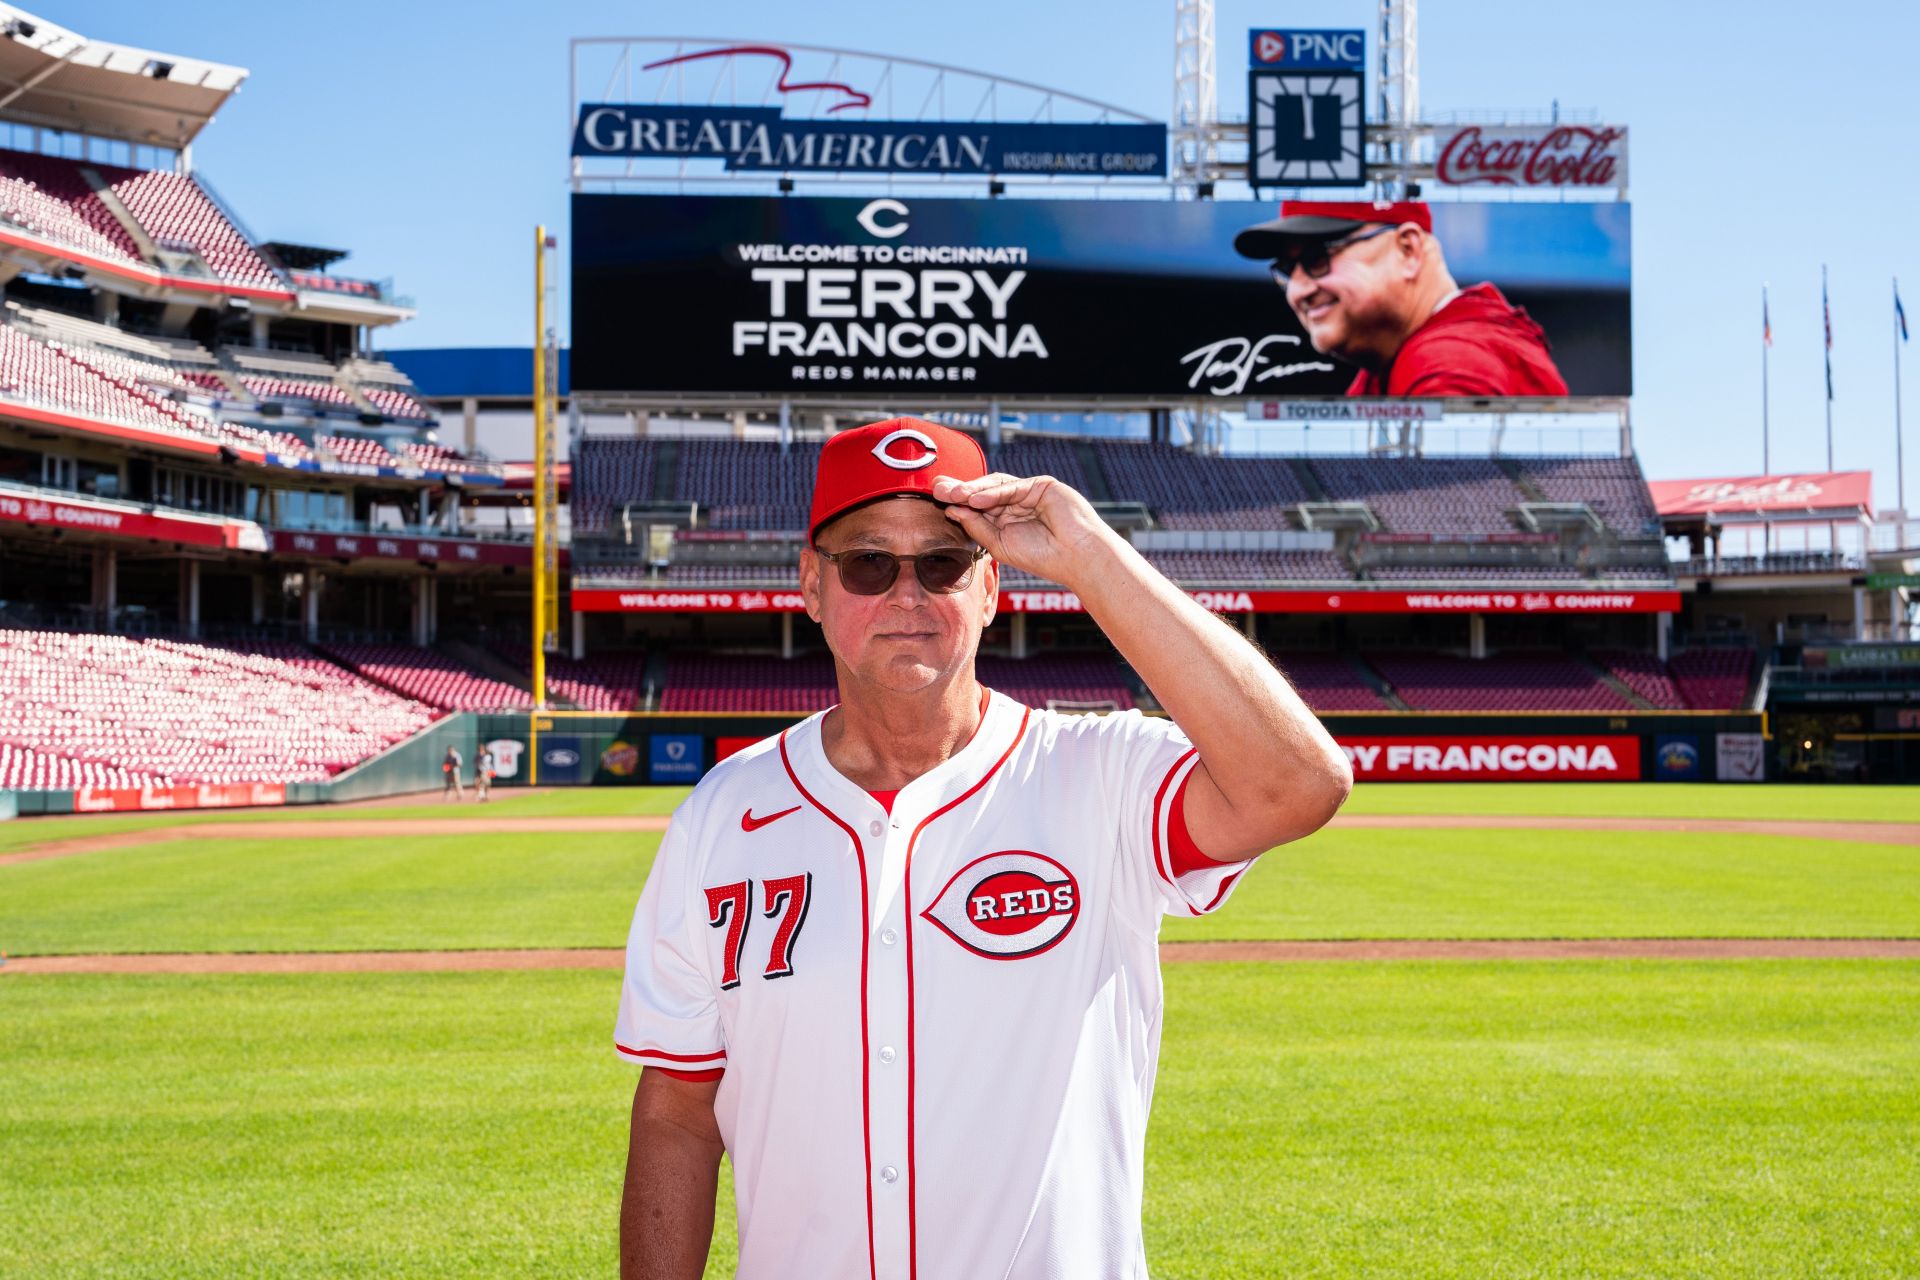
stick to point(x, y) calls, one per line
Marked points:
point(906, 459)
point(884, 459)
point(1007, 905)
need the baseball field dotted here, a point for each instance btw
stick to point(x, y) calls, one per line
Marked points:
point(1473, 1031)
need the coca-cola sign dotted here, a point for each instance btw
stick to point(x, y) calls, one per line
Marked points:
point(1561, 155)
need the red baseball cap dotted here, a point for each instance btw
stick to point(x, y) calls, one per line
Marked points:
point(1326, 220)
point(885, 459)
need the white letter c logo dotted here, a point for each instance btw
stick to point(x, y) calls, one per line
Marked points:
point(906, 464)
point(886, 231)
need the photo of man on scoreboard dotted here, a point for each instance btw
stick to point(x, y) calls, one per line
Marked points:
point(1370, 284)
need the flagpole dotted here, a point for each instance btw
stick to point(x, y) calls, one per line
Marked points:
point(1766, 348)
point(1827, 319)
point(1899, 440)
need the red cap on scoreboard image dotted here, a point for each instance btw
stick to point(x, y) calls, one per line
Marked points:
point(886, 459)
point(1326, 219)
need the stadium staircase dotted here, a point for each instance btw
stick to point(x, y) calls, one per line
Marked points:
point(666, 471)
point(123, 215)
point(1377, 682)
point(1520, 479)
point(1308, 481)
point(476, 658)
point(1601, 673)
point(1098, 490)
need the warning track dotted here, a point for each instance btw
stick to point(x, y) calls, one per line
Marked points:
point(1902, 833)
point(1170, 952)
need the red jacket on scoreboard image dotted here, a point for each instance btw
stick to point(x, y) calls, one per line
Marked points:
point(1476, 344)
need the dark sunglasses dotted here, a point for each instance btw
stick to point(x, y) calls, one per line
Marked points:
point(1316, 256)
point(872, 573)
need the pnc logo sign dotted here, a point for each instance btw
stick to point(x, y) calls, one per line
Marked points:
point(1309, 49)
point(1007, 905)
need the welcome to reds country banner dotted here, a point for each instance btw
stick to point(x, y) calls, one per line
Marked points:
point(592, 600)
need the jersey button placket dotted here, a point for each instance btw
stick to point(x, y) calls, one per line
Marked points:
point(887, 978)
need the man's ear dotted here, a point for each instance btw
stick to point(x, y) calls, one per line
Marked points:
point(1411, 242)
point(990, 579)
point(810, 563)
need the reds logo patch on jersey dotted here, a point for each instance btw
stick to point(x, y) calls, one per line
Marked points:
point(1007, 905)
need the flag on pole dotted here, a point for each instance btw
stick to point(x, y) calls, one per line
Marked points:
point(1899, 312)
point(1826, 321)
point(1766, 319)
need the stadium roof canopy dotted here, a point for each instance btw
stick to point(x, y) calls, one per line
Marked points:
point(480, 373)
point(60, 79)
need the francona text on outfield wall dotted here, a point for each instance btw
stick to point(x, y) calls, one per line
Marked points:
point(1609, 759)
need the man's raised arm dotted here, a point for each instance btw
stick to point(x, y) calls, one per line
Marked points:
point(1269, 771)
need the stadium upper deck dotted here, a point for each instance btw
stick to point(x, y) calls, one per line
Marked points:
point(1208, 521)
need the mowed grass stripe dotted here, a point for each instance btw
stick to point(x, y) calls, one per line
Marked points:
point(1781, 802)
point(1462, 1120)
point(419, 893)
point(496, 890)
point(507, 802)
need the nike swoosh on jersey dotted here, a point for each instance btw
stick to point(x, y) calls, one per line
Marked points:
point(750, 823)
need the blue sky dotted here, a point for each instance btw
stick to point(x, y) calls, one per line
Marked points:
point(1766, 138)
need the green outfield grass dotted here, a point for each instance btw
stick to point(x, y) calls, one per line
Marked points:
point(1839, 803)
point(1468, 1120)
point(1775, 802)
point(419, 892)
point(508, 802)
point(1452, 883)
point(563, 890)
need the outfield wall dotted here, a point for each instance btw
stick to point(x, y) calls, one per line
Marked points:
point(565, 748)
point(584, 748)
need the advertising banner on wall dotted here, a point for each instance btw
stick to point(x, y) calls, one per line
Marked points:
point(1798, 493)
point(1740, 757)
point(1533, 157)
point(1044, 600)
point(749, 139)
point(873, 297)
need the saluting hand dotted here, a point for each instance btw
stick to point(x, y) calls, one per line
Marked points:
point(1034, 523)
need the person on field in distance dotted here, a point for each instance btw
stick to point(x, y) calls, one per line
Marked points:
point(450, 765)
point(900, 962)
point(1370, 284)
point(483, 774)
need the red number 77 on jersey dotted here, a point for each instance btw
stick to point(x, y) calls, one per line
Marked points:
point(730, 905)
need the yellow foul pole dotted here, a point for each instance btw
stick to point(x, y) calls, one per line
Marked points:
point(543, 585)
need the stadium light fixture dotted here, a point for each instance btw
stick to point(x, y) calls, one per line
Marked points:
point(786, 186)
point(20, 28)
point(1203, 191)
point(159, 69)
point(996, 189)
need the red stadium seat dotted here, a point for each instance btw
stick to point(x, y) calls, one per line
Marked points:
point(108, 710)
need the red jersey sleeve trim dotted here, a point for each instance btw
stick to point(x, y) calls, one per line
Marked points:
point(687, 1060)
point(1183, 853)
point(691, 1077)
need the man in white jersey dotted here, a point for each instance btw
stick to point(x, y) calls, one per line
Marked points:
point(901, 962)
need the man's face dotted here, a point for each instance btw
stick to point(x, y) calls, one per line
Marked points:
point(1359, 306)
point(907, 638)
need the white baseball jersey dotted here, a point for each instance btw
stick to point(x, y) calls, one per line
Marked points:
point(938, 1027)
